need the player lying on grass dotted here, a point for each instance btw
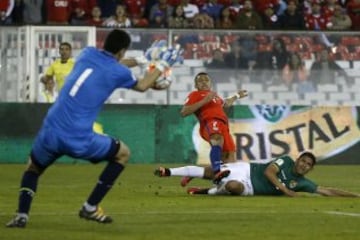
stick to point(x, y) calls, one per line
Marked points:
point(282, 176)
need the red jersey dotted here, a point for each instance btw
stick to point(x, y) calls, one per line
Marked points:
point(261, 5)
point(317, 22)
point(4, 5)
point(212, 110)
point(135, 8)
point(58, 10)
point(85, 5)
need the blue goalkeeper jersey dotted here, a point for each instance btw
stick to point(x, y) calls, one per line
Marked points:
point(96, 74)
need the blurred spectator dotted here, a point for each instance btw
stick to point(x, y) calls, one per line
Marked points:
point(135, 8)
point(161, 9)
point(140, 21)
point(190, 9)
point(17, 13)
point(249, 52)
point(340, 19)
point(6, 8)
point(326, 70)
point(108, 7)
point(81, 11)
point(225, 21)
point(120, 20)
point(235, 7)
point(269, 18)
point(316, 20)
point(48, 94)
point(328, 7)
point(294, 70)
point(33, 11)
point(203, 21)
point(248, 18)
point(343, 3)
point(159, 20)
point(353, 8)
point(148, 6)
point(272, 63)
point(96, 17)
point(260, 5)
point(282, 7)
point(136, 12)
point(212, 8)
point(178, 19)
point(58, 13)
point(234, 58)
point(217, 60)
point(173, 3)
point(292, 19)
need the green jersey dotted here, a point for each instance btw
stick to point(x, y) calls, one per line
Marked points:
point(286, 175)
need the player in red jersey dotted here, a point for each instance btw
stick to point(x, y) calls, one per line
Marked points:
point(214, 125)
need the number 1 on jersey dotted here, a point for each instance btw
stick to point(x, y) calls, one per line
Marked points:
point(80, 81)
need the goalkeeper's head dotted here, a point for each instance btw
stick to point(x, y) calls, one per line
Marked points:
point(117, 42)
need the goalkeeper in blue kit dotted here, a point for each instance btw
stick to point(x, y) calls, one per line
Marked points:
point(68, 126)
point(281, 176)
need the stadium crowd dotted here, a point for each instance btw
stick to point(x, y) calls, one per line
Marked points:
point(256, 55)
point(220, 14)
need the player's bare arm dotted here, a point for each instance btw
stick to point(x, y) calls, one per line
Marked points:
point(271, 174)
point(136, 61)
point(332, 192)
point(129, 62)
point(190, 109)
point(230, 100)
point(148, 81)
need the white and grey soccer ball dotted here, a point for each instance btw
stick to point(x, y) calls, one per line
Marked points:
point(164, 81)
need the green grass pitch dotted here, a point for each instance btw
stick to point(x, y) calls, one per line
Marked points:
point(150, 208)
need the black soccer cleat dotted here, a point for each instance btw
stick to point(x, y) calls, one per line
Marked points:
point(162, 172)
point(98, 215)
point(17, 222)
point(220, 175)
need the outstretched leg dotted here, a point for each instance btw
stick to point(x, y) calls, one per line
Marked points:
point(91, 209)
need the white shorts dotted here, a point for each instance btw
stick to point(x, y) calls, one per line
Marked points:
point(239, 171)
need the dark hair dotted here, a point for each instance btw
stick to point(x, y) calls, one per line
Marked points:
point(65, 44)
point(309, 155)
point(117, 40)
point(200, 73)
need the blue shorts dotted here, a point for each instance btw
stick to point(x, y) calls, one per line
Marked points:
point(49, 145)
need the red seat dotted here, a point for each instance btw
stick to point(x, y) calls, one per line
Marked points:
point(350, 40)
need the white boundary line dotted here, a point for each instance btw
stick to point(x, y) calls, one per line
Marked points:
point(343, 213)
point(225, 211)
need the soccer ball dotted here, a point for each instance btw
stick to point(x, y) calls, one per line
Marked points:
point(164, 81)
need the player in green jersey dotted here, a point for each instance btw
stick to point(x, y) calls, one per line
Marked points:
point(281, 176)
